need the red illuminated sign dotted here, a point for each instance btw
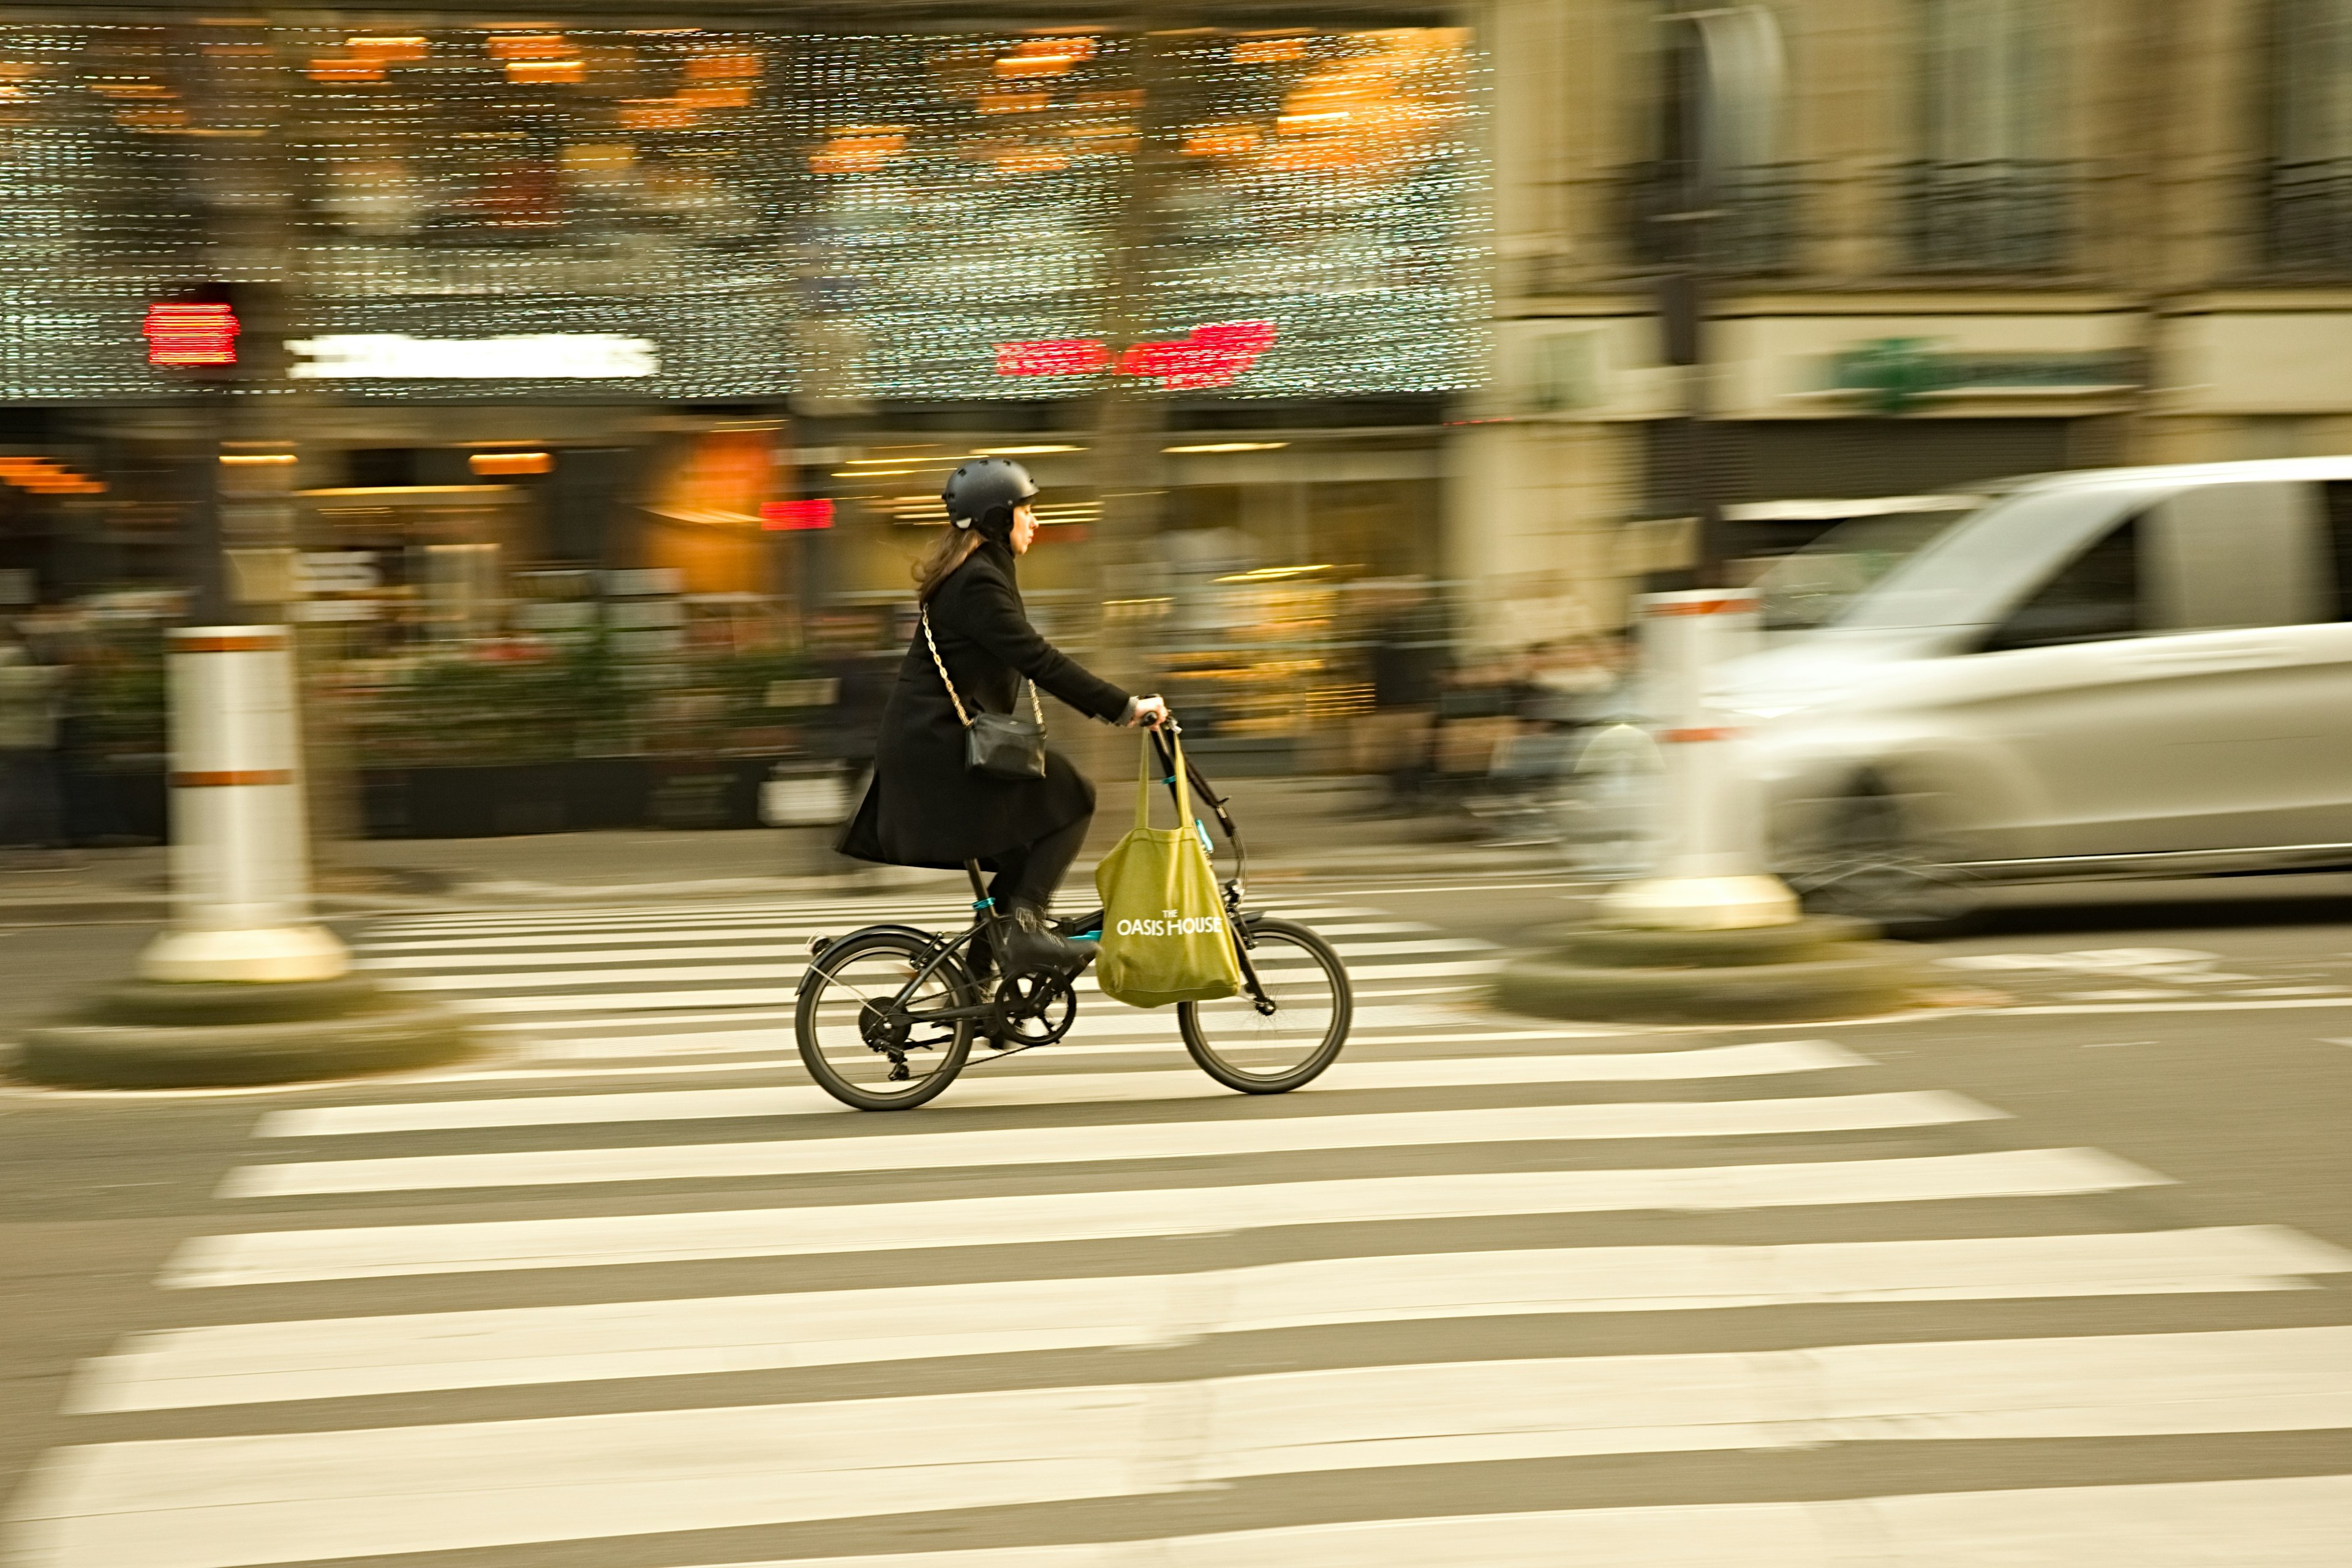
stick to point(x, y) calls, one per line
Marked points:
point(191, 334)
point(1213, 355)
point(796, 516)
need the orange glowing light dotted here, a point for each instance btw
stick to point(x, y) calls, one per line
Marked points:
point(1268, 51)
point(722, 68)
point(1220, 140)
point(733, 96)
point(404, 48)
point(511, 462)
point(857, 150)
point(1045, 57)
point(326, 67)
point(530, 46)
point(568, 73)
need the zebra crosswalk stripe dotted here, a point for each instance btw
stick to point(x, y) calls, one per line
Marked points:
point(374, 1252)
point(548, 972)
point(1058, 1088)
point(571, 1477)
point(2292, 1522)
point(1118, 1141)
point(337, 1358)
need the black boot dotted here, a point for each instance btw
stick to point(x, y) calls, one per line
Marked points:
point(1031, 943)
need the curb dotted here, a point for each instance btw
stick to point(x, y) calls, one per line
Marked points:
point(149, 1034)
point(1812, 991)
point(1809, 971)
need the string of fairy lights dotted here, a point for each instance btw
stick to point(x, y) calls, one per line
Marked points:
point(869, 216)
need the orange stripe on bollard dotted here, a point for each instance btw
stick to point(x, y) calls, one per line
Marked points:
point(264, 642)
point(1724, 606)
point(1721, 733)
point(232, 776)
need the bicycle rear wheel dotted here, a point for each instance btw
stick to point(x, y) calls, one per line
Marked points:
point(1273, 1053)
point(861, 1049)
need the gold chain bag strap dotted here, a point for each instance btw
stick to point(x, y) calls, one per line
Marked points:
point(1002, 745)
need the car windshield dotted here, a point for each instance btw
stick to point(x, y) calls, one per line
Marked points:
point(1975, 564)
point(1811, 586)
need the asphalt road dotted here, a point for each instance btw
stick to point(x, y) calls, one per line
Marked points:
point(2046, 1276)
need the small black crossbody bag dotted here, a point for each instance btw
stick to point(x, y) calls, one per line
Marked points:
point(1002, 745)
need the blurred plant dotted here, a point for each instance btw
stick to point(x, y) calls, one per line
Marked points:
point(512, 703)
point(119, 695)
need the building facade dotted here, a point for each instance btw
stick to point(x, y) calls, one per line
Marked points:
point(1994, 237)
point(1286, 302)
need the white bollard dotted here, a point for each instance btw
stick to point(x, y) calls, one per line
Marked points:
point(1713, 874)
point(240, 855)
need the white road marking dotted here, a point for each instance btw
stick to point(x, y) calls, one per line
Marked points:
point(993, 1148)
point(1763, 1058)
point(813, 919)
point(2288, 1521)
point(371, 1252)
point(2048, 1009)
point(338, 1358)
point(1360, 964)
point(694, 940)
point(222, 1502)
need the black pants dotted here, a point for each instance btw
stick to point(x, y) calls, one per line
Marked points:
point(1030, 874)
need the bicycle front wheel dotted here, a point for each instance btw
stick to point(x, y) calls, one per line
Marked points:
point(865, 1044)
point(1273, 1053)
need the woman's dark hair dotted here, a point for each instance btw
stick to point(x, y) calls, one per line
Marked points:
point(954, 547)
point(941, 556)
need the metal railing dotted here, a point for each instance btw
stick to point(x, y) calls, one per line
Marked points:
point(1750, 231)
point(1997, 215)
point(2307, 217)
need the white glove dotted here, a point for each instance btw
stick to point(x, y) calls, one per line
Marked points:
point(1151, 711)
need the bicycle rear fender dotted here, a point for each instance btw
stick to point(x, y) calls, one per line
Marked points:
point(825, 944)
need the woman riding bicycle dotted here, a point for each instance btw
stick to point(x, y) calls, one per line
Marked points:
point(925, 807)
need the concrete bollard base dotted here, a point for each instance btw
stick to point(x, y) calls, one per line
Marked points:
point(145, 1034)
point(1809, 970)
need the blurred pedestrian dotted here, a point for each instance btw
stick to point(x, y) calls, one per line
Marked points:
point(1409, 660)
point(31, 814)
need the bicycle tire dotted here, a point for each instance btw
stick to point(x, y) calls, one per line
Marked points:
point(893, 948)
point(1268, 936)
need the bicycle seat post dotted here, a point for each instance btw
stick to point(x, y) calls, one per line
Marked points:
point(978, 887)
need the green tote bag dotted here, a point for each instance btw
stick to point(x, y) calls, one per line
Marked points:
point(1164, 936)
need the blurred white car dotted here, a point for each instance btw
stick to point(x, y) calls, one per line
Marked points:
point(2128, 672)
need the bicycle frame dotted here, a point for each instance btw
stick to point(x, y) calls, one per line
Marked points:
point(985, 917)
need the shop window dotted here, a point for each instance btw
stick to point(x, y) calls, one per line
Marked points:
point(2096, 599)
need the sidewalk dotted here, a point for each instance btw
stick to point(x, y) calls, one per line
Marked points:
point(1294, 828)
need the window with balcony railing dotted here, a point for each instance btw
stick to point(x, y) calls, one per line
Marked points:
point(1999, 215)
point(1988, 191)
point(2306, 183)
point(1748, 228)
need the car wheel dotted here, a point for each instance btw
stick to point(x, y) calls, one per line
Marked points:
point(1872, 860)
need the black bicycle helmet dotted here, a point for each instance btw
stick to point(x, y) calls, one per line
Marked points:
point(983, 483)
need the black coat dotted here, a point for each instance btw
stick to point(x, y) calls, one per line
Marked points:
point(924, 807)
